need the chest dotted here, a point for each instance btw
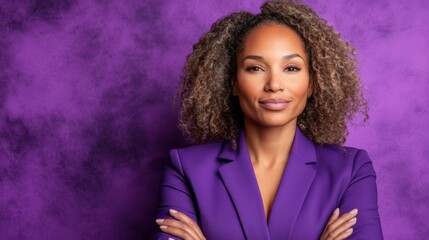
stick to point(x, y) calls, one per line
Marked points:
point(268, 180)
point(235, 214)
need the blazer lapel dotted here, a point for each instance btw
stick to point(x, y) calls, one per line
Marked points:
point(296, 181)
point(239, 179)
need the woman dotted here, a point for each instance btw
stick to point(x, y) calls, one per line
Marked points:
point(267, 97)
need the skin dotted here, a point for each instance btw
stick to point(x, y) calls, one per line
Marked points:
point(272, 85)
point(271, 69)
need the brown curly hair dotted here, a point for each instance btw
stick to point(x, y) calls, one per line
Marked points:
point(209, 110)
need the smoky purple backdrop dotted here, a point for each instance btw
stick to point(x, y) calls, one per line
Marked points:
point(86, 113)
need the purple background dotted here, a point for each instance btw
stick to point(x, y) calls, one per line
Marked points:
point(86, 114)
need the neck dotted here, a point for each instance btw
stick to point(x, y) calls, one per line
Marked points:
point(269, 146)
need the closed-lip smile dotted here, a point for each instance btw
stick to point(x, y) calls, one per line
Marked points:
point(275, 104)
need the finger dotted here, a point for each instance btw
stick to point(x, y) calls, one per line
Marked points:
point(331, 230)
point(177, 232)
point(333, 217)
point(182, 217)
point(343, 228)
point(342, 219)
point(177, 229)
point(345, 234)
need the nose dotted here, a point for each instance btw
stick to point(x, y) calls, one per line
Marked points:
point(274, 83)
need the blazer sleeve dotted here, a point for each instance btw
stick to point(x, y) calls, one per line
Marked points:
point(174, 194)
point(361, 193)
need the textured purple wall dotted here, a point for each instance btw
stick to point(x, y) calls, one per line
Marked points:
point(86, 118)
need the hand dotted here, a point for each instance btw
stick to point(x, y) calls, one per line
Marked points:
point(183, 227)
point(339, 227)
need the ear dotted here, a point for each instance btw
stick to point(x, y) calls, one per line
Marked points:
point(234, 87)
point(309, 91)
point(310, 88)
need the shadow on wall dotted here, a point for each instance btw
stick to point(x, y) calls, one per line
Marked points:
point(86, 118)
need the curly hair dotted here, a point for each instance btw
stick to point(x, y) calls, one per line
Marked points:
point(210, 112)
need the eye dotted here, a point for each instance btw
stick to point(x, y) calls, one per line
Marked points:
point(254, 69)
point(293, 69)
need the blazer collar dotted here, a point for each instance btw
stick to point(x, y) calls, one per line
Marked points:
point(303, 148)
point(239, 179)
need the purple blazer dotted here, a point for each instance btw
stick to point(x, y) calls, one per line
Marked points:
point(216, 186)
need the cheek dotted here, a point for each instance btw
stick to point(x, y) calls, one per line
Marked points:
point(300, 90)
point(246, 98)
point(248, 94)
point(249, 88)
point(246, 91)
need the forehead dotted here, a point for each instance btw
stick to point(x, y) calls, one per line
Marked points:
point(273, 36)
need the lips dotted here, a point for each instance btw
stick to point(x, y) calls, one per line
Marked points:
point(275, 104)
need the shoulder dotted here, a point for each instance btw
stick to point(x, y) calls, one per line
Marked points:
point(197, 155)
point(348, 160)
point(339, 153)
point(198, 151)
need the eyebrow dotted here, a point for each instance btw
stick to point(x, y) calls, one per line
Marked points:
point(259, 58)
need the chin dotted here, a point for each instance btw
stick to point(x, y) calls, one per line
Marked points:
point(275, 123)
point(271, 120)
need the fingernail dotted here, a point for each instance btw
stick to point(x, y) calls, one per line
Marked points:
point(349, 230)
point(353, 220)
point(172, 211)
point(159, 220)
point(336, 211)
point(170, 239)
point(163, 227)
point(354, 211)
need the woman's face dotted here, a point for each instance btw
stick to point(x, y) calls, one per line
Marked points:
point(272, 81)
